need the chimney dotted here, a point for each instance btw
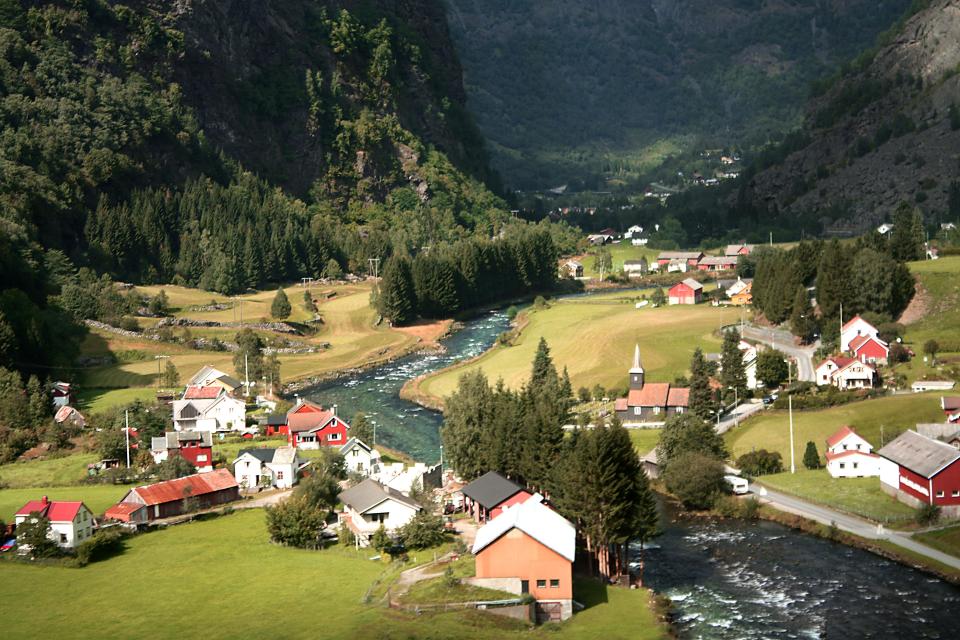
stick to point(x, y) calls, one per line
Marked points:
point(44, 500)
point(334, 409)
point(299, 399)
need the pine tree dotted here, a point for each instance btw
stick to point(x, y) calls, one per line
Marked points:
point(543, 372)
point(171, 377)
point(280, 307)
point(811, 459)
point(803, 322)
point(658, 298)
point(833, 274)
point(308, 304)
point(733, 375)
point(906, 239)
point(397, 299)
point(701, 402)
point(466, 418)
point(362, 429)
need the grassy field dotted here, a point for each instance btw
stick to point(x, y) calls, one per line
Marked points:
point(96, 496)
point(770, 429)
point(161, 571)
point(859, 496)
point(941, 279)
point(946, 540)
point(594, 338)
point(55, 472)
point(348, 328)
point(644, 440)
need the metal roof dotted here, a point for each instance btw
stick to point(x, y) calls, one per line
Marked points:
point(491, 489)
point(920, 454)
point(189, 486)
point(263, 455)
point(541, 523)
point(369, 493)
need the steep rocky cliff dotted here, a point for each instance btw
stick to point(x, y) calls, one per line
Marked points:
point(882, 133)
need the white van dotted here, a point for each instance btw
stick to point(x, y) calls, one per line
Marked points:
point(737, 484)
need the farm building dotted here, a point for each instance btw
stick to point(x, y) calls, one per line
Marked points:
point(691, 258)
point(951, 408)
point(67, 415)
point(275, 424)
point(572, 268)
point(688, 291)
point(62, 393)
point(194, 446)
point(209, 376)
point(174, 497)
point(368, 505)
point(70, 522)
point(943, 431)
point(932, 385)
point(717, 263)
point(529, 549)
point(850, 456)
point(487, 496)
point(310, 426)
point(649, 402)
point(635, 268)
point(738, 250)
point(919, 470)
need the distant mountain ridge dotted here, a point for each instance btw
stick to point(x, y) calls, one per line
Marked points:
point(566, 89)
point(887, 131)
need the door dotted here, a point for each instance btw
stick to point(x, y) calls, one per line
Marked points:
point(549, 612)
point(524, 586)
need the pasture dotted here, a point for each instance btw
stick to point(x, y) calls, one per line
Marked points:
point(893, 414)
point(859, 496)
point(162, 570)
point(594, 339)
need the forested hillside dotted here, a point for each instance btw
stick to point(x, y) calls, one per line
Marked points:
point(576, 92)
point(228, 145)
point(885, 129)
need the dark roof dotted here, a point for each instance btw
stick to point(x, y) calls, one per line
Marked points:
point(277, 419)
point(230, 381)
point(491, 489)
point(369, 493)
point(920, 454)
point(263, 455)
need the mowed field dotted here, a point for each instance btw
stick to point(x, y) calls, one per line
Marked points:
point(348, 327)
point(162, 571)
point(859, 496)
point(893, 414)
point(594, 338)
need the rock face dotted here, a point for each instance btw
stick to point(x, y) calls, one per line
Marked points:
point(880, 135)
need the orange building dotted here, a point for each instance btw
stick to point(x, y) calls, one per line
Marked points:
point(529, 548)
point(743, 297)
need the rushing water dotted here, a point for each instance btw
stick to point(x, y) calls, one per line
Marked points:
point(727, 578)
point(734, 579)
point(400, 424)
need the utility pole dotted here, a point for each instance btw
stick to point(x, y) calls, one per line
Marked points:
point(246, 374)
point(793, 466)
point(374, 266)
point(126, 419)
point(159, 375)
point(771, 238)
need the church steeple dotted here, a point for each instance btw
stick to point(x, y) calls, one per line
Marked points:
point(636, 371)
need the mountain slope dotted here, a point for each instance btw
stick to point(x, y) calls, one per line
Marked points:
point(566, 89)
point(882, 133)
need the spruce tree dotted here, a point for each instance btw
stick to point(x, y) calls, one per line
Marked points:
point(308, 304)
point(833, 276)
point(280, 307)
point(701, 396)
point(543, 372)
point(803, 322)
point(361, 429)
point(811, 459)
point(733, 375)
point(397, 299)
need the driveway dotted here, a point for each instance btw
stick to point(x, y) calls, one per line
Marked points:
point(848, 523)
point(785, 342)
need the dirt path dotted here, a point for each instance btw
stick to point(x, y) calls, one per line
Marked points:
point(418, 574)
point(919, 306)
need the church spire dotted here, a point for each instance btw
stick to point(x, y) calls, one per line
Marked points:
point(636, 371)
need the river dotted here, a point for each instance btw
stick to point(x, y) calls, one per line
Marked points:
point(727, 578)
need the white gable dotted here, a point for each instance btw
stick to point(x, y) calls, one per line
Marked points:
point(541, 523)
point(852, 442)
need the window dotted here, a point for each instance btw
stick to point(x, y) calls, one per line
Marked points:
point(333, 437)
point(939, 494)
point(656, 410)
point(63, 538)
point(955, 493)
point(202, 458)
point(524, 586)
point(843, 465)
point(541, 584)
point(679, 409)
point(554, 583)
point(856, 465)
point(637, 410)
point(279, 475)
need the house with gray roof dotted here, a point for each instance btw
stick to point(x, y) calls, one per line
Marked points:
point(368, 505)
point(265, 468)
point(920, 470)
point(487, 496)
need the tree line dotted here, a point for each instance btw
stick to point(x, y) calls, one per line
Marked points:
point(594, 477)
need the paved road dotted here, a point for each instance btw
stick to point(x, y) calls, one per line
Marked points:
point(738, 415)
point(784, 341)
point(850, 524)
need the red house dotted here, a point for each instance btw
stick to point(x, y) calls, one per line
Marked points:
point(487, 496)
point(867, 348)
point(951, 408)
point(276, 424)
point(310, 426)
point(688, 291)
point(194, 446)
point(717, 263)
point(919, 470)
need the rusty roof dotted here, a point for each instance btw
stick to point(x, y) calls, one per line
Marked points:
point(195, 485)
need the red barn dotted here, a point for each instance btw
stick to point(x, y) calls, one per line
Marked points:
point(867, 348)
point(920, 470)
point(688, 291)
point(169, 498)
point(310, 426)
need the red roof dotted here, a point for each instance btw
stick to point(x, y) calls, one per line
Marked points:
point(950, 403)
point(678, 397)
point(620, 404)
point(53, 510)
point(863, 339)
point(653, 394)
point(842, 433)
point(840, 361)
point(202, 393)
point(122, 511)
point(308, 421)
point(305, 406)
point(849, 452)
point(195, 485)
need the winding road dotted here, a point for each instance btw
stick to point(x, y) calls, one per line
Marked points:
point(785, 342)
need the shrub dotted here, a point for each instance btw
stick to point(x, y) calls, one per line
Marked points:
point(928, 514)
point(295, 523)
point(583, 394)
point(380, 539)
point(100, 546)
point(128, 323)
point(512, 312)
point(750, 508)
point(695, 479)
point(424, 530)
point(761, 462)
point(345, 536)
point(540, 303)
point(280, 307)
point(811, 459)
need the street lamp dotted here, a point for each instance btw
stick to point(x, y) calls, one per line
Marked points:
point(159, 359)
point(736, 401)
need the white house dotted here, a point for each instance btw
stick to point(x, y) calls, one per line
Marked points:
point(209, 409)
point(639, 241)
point(749, 352)
point(278, 468)
point(405, 478)
point(70, 522)
point(209, 376)
point(850, 456)
point(635, 268)
point(845, 373)
point(737, 287)
point(635, 230)
point(885, 228)
point(856, 326)
point(360, 458)
point(368, 505)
